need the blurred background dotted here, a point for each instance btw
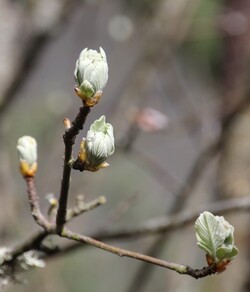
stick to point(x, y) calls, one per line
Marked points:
point(177, 97)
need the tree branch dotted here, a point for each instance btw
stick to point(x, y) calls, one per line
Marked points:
point(83, 207)
point(31, 52)
point(69, 140)
point(181, 269)
point(34, 204)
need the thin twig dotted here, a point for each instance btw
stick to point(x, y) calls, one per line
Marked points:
point(69, 140)
point(83, 207)
point(32, 51)
point(181, 269)
point(34, 204)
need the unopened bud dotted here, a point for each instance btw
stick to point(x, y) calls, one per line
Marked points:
point(98, 145)
point(91, 75)
point(27, 154)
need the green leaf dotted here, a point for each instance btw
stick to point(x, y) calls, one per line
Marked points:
point(207, 229)
point(215, 236)
point(227, 252)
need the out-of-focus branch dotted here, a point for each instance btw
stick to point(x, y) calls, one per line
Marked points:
point(177, 221)
point(34, 242)
point(234, 84)
point(235, 53)
point(32, 51)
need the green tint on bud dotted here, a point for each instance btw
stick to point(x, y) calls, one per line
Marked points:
point(91, 75)
point(216, 237)
point(27, 155)
point(98, 145)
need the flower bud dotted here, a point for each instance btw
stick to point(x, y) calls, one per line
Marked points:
point(27, 154)
point(98, 145)
point(91, 75)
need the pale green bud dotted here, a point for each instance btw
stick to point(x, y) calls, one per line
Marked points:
point(99, 143)
point(27, 154)
point(91, 73)
point(216, 236)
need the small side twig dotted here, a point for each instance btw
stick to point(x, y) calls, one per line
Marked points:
point(69, 140)
point(83, 207)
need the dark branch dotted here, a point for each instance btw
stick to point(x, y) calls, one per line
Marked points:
point(69, 140)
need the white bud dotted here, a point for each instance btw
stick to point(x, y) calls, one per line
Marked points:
point(27, 154)
point(99, 142)
point(91, 72)
point(27, 149)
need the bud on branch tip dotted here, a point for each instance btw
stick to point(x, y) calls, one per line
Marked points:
point(216, 237)
point(91, 75)
point(27, 155)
